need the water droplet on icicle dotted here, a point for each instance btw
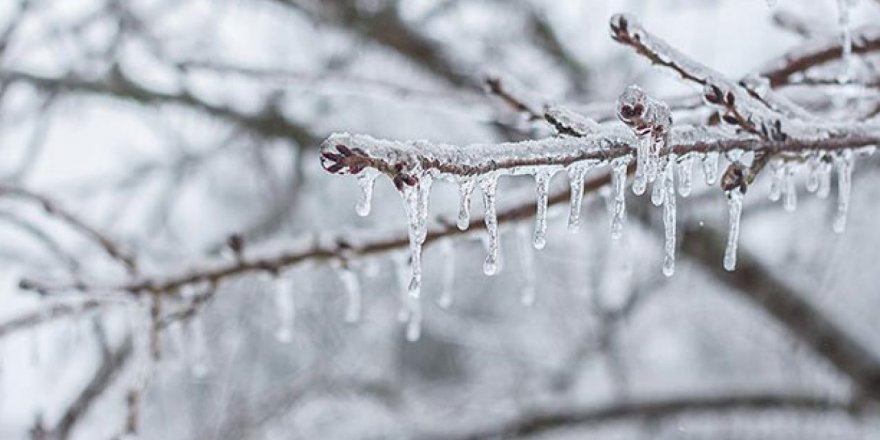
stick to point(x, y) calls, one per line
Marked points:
point(489, 185)
point(285, 306)
point(844, 162)
point(685, 175)
point(734, 212)
point(669, 211)
point(366, 180)
point(618, 205)
point(657, 193)
point(576, 174)
point(447, 249)
point(710, 167)
point(465, 189)
point(352, 287)
point(542, 189)
point(527, 259)
point(789, 190)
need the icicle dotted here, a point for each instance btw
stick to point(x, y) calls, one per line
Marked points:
point(416, 205)
point(640, 178)
point(734, 209)
point(465, 189)
point(366, 180)
point(527, 258)
point(542, 188)
point(824, 179)
point(844, 161)
point(668, 184)
point(777, 179)
point(199, 365)
point(447, 249)
point(618, 182)
point(576, 174)
point(710, 167)
point(814, 164)
point(489, 184)
point(846, 59)
point(658, 192)
point(285, 306)
point(790, 202)
point(352, 287)
point(685, 175)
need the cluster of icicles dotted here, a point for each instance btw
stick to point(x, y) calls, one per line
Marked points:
point(650, 167)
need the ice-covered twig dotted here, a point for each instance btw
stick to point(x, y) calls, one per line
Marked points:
point(815, 53)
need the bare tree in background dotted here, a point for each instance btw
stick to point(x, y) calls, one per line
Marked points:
point(179, 265)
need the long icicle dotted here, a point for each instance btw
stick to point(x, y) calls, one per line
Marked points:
point(542, 188)
point(576, 174)
point(734, 212)
point(489, 185)
point(465, 189)
point(844, 162)
point(618, 184)
point(669, 212)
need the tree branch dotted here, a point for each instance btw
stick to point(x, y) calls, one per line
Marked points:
point(542, 421)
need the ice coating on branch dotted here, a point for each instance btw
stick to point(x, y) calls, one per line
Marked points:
point(465, 190)
point(668, 184)
point(285, 306)
point(542, 188)
point(618, 189)
point(650, 120)
point(569, 122)
point(489, 185)
point(527, 259)
point(352, 287)
point(777, 176)
point(734, 212)
point(447, 250)
point(844, 162)
point(788, 189)
point(576, 174)
point(735, 104)
point(366, 181)
point(710, 167)
point(685, 175)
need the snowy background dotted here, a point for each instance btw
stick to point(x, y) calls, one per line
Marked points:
point(169, 125)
